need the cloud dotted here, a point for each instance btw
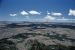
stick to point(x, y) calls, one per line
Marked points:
point(34, 12)
point(13, 14)
point(48, 18)
point(65, 19)
point(48, 13)
point(56, 14)
point(24, 13)
point(71, 12)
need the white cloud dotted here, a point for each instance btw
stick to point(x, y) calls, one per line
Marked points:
point(62, 19)
point(48, 18)
point(34, 12)
point(71, 12)
point(12, 14)
point(48, 13)
point(24, 13)
point(65, 19)
point(56, 14)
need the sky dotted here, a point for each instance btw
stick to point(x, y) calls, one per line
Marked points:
point(37, 10)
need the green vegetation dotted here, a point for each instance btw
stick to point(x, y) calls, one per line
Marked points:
point(7, 45)
point(59, 37)
point(41, 46)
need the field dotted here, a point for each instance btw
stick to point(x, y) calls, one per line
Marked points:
point(37, 36)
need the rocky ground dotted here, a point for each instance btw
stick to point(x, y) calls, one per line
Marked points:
point(40, 38)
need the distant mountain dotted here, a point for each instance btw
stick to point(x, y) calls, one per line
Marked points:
point(45, 24)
